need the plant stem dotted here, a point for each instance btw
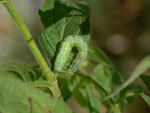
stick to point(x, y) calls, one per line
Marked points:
point(33, 47)
point(115, 108)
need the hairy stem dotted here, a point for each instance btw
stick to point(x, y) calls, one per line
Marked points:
point(33, 47)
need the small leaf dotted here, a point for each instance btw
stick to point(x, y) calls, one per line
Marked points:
point(117, 78)
point(80, 93)
point(104, 76)
point(85, 97)
point(61, 19)
point(30, 75)
point(146, 80)
point(23, 72)
point(122, 106)
point(97, 55)
point(130, 99)
point(67, 86)
point(141, 68)
point(146, 98)
point(129, 92)
point(18, 97)
point(94, 105)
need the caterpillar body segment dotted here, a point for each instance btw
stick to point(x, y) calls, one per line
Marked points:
point(62, 56)
point(76, 63)
point(65, 50)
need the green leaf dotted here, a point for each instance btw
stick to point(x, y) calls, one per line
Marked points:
point(60, 19)
point(122, 106)
point(94, 104)
point(104, 76)
point(142, 67)
point(117, 78)
point(80, 93)
point(85, 97)
point(67, 86)
point(146, 98)
point(30, 75)
point(23, 72)
point(130, 92)
point(18, 97)
point(146, 80)
point(97, 55)
point(130, 99)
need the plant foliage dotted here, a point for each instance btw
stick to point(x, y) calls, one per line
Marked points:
point(25, 89)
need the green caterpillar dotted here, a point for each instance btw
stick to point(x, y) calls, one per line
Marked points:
point(64, 52)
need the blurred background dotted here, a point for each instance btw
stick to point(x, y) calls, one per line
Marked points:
point(121, 28)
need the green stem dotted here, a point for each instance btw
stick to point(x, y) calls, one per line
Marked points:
point(116, 108)
point(33, 47)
